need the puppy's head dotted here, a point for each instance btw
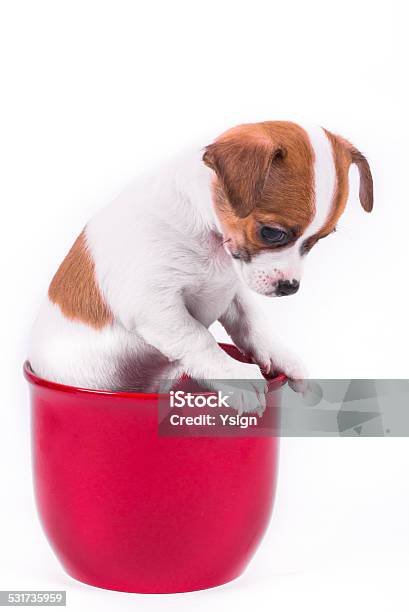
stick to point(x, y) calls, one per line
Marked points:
point(277, 190)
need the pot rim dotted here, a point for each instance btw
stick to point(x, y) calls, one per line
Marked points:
point(274, 383)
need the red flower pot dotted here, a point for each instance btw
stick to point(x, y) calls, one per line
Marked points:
point(126, 509)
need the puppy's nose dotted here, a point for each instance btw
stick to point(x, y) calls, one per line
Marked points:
point(287, 287)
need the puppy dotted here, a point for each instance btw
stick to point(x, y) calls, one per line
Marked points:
point(132, 301)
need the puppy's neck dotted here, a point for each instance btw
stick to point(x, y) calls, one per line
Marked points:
point(193, 184)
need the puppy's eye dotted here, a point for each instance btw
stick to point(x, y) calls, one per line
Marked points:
point(273, 235)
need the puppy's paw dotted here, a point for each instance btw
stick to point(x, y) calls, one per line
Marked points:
point(278, 360)
point(246, 386)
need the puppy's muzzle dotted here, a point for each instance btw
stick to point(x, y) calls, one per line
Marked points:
point(286, 287)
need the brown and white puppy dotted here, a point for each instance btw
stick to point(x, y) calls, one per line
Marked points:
point(277, 191)
point(132, 302)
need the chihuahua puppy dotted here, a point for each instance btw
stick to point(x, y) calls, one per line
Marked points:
point(132, 301)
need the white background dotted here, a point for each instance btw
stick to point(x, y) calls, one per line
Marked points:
point(93, 93)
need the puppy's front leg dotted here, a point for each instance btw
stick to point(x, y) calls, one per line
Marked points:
point(182, 339)
point(245, 324)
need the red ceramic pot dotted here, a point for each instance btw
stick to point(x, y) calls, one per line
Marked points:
point(126, 509)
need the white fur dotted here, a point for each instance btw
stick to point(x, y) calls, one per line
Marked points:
point(162, 269)
point(324, 179)
point(266, 269)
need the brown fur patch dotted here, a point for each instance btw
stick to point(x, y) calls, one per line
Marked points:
point(264, 175)
point(74, 288)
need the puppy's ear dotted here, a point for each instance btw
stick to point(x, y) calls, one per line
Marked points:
point(242, 166)
point(365, 178)
point(343, 149)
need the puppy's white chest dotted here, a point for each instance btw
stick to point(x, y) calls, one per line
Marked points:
point(214, 287)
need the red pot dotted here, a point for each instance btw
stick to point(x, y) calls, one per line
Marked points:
point(126, 509)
